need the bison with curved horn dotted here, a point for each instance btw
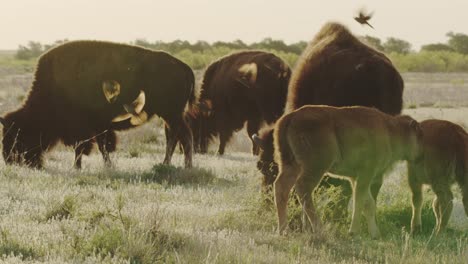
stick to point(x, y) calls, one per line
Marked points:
point(85, 90)
point(444, 162)
point(339, 70)
point(247, 86)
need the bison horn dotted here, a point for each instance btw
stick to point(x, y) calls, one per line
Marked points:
point(111, 90)
point(257, 140)
point(136, 106)
point(139, 119)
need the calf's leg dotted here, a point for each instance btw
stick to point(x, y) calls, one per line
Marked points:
point(283, 184)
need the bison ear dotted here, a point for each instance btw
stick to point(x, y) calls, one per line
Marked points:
point(249, 71)
point(257, 140)
point(2, 120)
point(111, 90)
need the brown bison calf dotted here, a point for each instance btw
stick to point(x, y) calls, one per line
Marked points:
point(444, 162)
point(80, 87)
point(359, 142)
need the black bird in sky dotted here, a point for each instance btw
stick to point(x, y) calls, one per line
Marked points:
point(363, 18)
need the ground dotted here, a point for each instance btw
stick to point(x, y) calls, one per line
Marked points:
point(142, 212)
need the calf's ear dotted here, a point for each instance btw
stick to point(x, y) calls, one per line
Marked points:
point(257, 140)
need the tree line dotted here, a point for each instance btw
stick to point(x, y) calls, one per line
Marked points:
point(443, 57)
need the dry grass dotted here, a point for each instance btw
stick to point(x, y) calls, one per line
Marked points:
point(141, 212)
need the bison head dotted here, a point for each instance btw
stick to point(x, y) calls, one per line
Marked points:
point(266, 163)
point(20, 146)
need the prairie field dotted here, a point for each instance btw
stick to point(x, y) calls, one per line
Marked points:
point(143, 212)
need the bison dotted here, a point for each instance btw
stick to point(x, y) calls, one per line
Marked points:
point(247, 86)
point(67, 103)
point(359, 142)
point(337, 69)
point(444, 162)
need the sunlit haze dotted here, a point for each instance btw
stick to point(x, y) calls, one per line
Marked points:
point(417, 21)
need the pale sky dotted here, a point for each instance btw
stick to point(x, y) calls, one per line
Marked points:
point(417, 21)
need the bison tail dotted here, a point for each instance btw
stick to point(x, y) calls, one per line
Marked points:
point(283, 151)
point(461, 168)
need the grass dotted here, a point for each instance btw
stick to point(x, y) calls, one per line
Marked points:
point(143, 212)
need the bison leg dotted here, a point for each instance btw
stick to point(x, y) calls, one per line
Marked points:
point(283, 184)
point(186, 139)
point(307, 182)
point(107, 142)
point(178, 130)
point(253, 126)
point(465, 194)
point(82, 148)
point(364, 203)
point(442, 206)
point(34, 158)
point(202, 135)
point(416, 197)
point(224, 136)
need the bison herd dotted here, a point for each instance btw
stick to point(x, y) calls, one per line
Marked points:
point(336, 113)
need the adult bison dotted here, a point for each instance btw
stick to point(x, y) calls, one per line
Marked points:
point(444, 162)
point(67, 103)
point(359, 143)
point(337, 69)
point(247, 86)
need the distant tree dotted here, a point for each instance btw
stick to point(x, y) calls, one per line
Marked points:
point(237, 44)
point(373, 42)
point(142, 43)
point(459, 42)
point(200, 46)
point(436, 47)
point(31, 50)
point(271, 44)
point(47, 47)
point(298, 47)
point(397, 46)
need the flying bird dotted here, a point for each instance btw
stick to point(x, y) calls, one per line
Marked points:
point(363, 18)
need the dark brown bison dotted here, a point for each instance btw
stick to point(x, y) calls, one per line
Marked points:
point(337, 69)
point(67, 103)
point(445, 161)
point(359, 143)
point(248, 86)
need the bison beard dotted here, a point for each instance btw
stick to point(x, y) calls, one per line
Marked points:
point(244, 87)
point(337, 69)
point(68, 100)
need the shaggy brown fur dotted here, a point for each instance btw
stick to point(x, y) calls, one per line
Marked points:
point(66, 102)
point(247, 86)
point(359, 142)
point(445, 162)
point(337, 69)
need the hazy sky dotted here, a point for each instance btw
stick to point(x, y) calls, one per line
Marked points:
point(417, 21)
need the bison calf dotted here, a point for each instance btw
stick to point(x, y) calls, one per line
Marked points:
point(359, 142)
point(444, 162)
point(80, 87)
